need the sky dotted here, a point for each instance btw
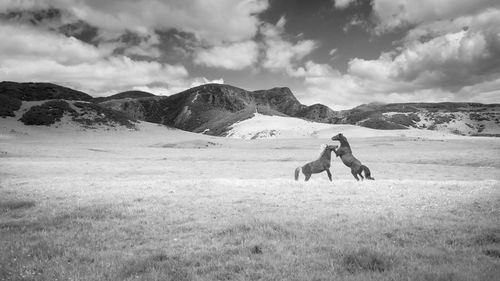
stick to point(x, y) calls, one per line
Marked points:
point(341, 53)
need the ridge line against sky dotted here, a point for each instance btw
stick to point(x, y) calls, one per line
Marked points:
point(340, 53)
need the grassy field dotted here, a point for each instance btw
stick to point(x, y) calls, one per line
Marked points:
point(171, 206)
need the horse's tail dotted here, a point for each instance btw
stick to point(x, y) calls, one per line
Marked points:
point(297, 171)
point(367, 172)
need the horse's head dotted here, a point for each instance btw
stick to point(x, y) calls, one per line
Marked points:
point(324, 148)
point(331, 147)
point(338, 137)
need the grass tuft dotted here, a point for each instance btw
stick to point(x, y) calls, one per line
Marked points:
point(494, 253)
point(21, 226)
point(438, 276)
point(256, 250)
point(16, 204)
point(156, 267)
point(93, 213)
point(269, 229)
point(45, 250)
point(366, 260)
point(486, 238)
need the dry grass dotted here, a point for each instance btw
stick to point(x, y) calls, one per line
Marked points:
point(127, 217)
point(16, 204)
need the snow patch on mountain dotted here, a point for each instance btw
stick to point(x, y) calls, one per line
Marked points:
point(277, 127)
point(265, 126)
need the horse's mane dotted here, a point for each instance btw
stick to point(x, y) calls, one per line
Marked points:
point(322, 148)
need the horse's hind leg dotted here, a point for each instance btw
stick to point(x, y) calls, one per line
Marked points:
point(329, 174)
point(359, 173)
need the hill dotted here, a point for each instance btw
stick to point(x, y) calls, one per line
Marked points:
point(215, 109)
point(124, 95)
point(457, 118)
point(40, 91)
point(46, 104)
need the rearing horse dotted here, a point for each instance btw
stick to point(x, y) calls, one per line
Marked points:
point(319, 165)
point(345, 153)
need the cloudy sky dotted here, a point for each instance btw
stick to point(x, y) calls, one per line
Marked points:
point(341, 53)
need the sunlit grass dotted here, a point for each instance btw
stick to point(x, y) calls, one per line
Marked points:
point(155, 213)
point(132, 239)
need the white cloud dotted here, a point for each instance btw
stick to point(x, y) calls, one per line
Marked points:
point(453, 58)
point(223, 27)
point(342, 4)
point(148, 47)
point(22, 4)
point(201, 81)
point(392, 14)
point(232, 56)
point(440, 60)
point(280, 54)
point(31, 43)
point(175, 87)
point(211, 20)
point(101, 76)
point(312, 70)
point(30, 54)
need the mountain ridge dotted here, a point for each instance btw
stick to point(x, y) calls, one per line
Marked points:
point(214, 108)
point(134, 94)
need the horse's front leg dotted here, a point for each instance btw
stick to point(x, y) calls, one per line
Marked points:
point(308, 176)
point(329, 174)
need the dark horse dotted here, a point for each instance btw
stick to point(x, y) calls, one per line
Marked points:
point(345, 153)
point(319, 165)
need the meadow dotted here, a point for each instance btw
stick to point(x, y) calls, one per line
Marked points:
point(168, 205)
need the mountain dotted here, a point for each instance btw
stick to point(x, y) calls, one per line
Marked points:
point(319, 113)
point(124, 95)
point(53, 105)
point(279, 99)
point(453, 117)
point(207, 108)
point(213, 108)
point(218, 109)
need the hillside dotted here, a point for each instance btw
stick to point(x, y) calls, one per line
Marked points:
point(215, 109)
point(456, 118)
point(45, 104)
point(124, 95)
point(40, 91)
